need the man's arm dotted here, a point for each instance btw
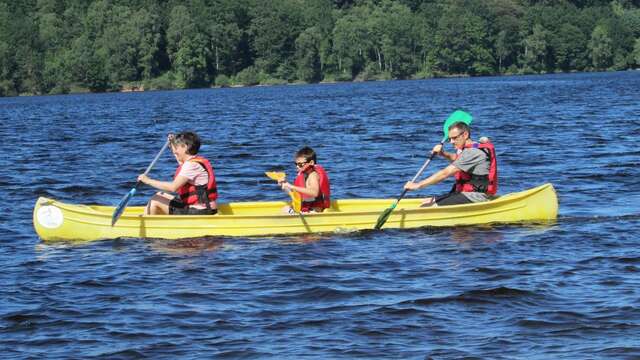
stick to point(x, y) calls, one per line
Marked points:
point(449, 156)
point(433, 179)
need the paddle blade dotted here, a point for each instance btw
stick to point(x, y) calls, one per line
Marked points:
point(121, 206)
point(456, 116)
point(276, 175)
point(296, 201)
point(385, 216)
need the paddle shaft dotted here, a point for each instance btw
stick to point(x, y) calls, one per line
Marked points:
point(156, 158)
point(385, 215)
point(125, 200)
point(153, 163)
point(424, 166)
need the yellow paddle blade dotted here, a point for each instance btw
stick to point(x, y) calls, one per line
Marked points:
point(276, 175)
point(296, 201)
point(296, 198)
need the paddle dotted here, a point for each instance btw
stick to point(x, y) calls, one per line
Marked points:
point(456, 116)
point(296, 199)
point(125, 200)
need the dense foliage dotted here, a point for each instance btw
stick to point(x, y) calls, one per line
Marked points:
point(57, 46)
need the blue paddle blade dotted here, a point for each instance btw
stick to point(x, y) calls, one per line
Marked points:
point(122, 205)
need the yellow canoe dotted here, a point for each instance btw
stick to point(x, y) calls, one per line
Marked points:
point(54, 220)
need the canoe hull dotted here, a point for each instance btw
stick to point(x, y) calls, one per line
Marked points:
point(54, 220)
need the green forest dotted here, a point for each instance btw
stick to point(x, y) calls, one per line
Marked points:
point(62, 46)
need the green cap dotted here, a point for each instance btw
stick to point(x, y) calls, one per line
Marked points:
point(456, 116)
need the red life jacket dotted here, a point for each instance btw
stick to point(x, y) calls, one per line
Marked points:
point(201, 194)
point(488, 184)
point(323, 200)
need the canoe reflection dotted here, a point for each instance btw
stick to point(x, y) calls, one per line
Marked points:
point(474, 233)
point(187, 246)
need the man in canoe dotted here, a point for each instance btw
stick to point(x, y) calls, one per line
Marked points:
point(473, 165)
point(194, 181)
point(312, 183)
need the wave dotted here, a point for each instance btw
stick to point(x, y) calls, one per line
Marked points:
point(323, 294)
point(622, 260)
point(630, 352)
point(597, 218)
point(121, 354)
point(481, 296)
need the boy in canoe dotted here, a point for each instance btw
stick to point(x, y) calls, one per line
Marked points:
point(312, 183)
point(473, 165)
point(194, 181)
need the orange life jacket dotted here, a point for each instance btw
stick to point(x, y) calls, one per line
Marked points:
point(488, 184)
point(323, 200)
point(201, 194)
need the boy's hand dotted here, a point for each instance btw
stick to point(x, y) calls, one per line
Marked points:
point(285, 186)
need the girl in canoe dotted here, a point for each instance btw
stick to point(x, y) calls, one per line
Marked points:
point(194, 181)
point(312, 183)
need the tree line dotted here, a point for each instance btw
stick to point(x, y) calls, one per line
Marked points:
point(61, 46)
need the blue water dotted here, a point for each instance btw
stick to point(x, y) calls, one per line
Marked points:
point(569, 290)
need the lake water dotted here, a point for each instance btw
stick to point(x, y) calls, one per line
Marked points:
point(569, 290)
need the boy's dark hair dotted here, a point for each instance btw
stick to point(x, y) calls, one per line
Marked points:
point(462, 127)
point(190, 139)
point(307, 153)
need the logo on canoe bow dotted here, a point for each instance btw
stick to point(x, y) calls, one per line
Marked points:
point(49, 217)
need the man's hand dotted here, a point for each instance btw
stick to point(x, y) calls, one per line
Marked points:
point(143, 178)
point(410, 185)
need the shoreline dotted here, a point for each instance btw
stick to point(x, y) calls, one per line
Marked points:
point(139, 87)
